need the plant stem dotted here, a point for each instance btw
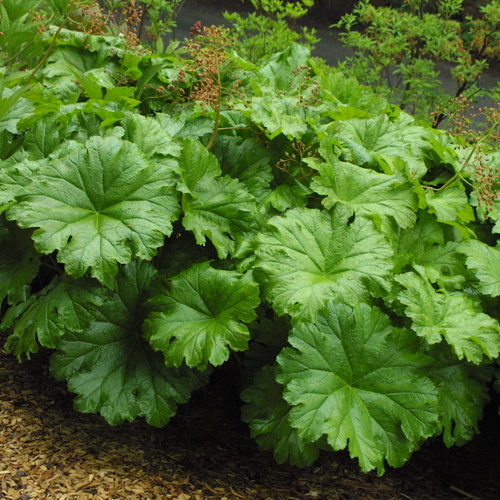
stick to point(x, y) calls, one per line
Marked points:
point(46, 55)
point(466, 162)
point(217, 112)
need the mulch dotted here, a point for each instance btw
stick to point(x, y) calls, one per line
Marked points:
point(49, 451)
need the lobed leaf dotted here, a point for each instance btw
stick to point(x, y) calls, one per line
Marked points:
point(425, 245)
point(267, 413)
point(454, 318)
point(112, 368)
point(101, 205)
point(199, 315)
point(64, 304)
point(309, 257)
point(13, 107)
point(149, 136)
point(245, 160)
point(450, 205)
point(348, 98)
point(374, 140)
point(375, 135)
point(485, 263)
point(365, 191)
point(214, 207)
point(355, 378)
point(43, 137)
point(280, 115)
point(284, 197)
point(14, 177)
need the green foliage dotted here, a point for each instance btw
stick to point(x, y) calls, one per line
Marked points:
point(149, 20)
point(370, 392)
point(438, 314)
point(395, 52)
point(201, 327)
point(270, 28)
point(162, 216)
point(268, 415)
point(19, 36)
point(137, 382)
point(308, 258)
point(102, 204)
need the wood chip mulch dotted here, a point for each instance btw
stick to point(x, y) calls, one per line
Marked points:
point(49, 451)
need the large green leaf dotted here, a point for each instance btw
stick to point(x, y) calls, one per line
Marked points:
point(375, 135)
point(13, 177)
point(308, 257)
point(186, 123)
point(348, 98)
point(367, 192)
point(214, 207)
point(245, 160)
point(19, 262)
point(355, 378)
point(281, 103)
point(43, 137)
point(197, 164)
point(377, 139)
point(267, 413)
point(103, 204)
point(222, 211)
point(463, 392)
point(280, 114)
point(485, 263)
point(450, 205)
point(284, 197)
point(199, 315)
point(283, 71)
point(112, 368)
point(63, 304)
point(438, 315)
point(424, 245)
point(13, 107)
point(149, 136)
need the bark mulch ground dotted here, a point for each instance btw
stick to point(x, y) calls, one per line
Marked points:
point(48, 451)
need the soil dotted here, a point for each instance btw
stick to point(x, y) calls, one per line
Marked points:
point(49, 451)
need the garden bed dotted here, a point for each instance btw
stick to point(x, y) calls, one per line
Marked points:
point(50, 452)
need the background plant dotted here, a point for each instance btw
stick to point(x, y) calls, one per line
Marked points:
point(22, 27)
point(396, 51)
point(271, 28)
point(154, 19)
